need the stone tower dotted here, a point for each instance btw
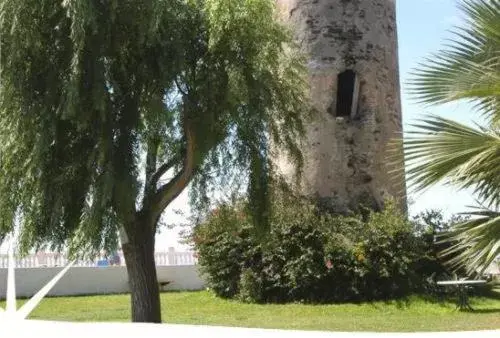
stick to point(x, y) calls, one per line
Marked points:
point(354, 78)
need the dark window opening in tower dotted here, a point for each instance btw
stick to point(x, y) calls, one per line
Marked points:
point(347, 94)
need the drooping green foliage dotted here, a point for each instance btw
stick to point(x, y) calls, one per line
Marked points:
point(441, 150)
point(109, 109)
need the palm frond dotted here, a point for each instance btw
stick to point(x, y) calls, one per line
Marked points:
point(469, 69)
point(476, 242)
point(442, 150)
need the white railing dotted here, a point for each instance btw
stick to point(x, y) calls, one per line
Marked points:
point(43, 259)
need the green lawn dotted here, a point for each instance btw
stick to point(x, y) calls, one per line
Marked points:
point(415, 314)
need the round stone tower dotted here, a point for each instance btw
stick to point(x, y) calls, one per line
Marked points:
point(350, 157)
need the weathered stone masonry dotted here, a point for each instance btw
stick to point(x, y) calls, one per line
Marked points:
point(353, 57)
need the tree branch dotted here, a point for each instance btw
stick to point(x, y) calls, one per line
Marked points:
point(169, 191)
point(164, 168)
point(151, 159)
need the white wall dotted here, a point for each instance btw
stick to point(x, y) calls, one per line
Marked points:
point(95, 280)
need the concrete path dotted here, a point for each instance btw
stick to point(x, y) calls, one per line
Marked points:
point(48, 329)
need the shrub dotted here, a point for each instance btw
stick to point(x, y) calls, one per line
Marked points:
point(430, 265)
point(309, 256)
point(250, 286)
point(221, 243)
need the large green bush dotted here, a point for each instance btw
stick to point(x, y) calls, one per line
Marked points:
point(310, 256)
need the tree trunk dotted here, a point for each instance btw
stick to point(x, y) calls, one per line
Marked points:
point(145, 293)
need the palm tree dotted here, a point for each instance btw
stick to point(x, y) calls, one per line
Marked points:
point(441, 150)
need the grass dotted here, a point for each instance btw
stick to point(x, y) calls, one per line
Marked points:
point(413, 314)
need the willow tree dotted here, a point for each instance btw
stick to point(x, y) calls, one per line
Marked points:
point(109, 109)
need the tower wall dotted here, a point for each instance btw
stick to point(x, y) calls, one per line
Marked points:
point(347, 161)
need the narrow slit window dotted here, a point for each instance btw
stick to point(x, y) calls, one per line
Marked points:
point(347, 94)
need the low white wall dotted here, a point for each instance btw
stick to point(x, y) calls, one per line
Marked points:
point(95, 280)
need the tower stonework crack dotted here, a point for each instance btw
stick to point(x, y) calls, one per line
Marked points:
point(350, 157)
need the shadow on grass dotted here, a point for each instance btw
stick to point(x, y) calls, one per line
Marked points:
point(483, 311)
point(408, 301)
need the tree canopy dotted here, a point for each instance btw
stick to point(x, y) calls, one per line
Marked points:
point(109, 109)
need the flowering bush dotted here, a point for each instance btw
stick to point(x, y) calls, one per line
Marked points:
point(308, 256)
